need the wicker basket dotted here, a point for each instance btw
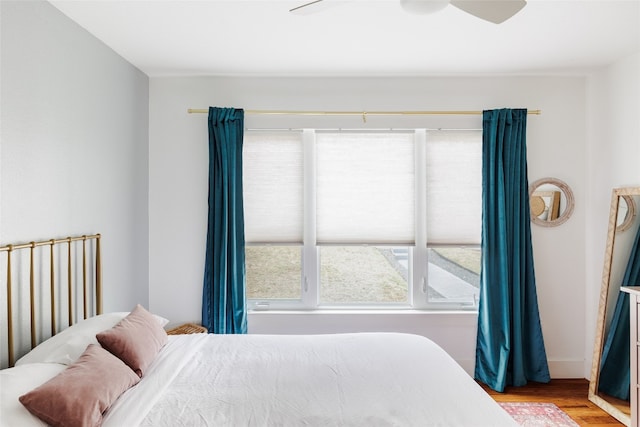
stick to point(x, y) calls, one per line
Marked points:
point(187, 328)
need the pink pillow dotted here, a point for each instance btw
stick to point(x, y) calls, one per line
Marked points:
point(136, 339)
point(80, 394)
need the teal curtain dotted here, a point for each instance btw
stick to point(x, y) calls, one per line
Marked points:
point(223, 295)
point(509, 346)
point(615, 367)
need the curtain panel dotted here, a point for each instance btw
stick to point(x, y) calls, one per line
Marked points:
point(509, 347)
point(223, 295)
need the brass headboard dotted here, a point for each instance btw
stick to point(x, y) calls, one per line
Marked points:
point(91, 288)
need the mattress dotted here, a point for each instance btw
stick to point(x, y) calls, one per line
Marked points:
point(364, 379)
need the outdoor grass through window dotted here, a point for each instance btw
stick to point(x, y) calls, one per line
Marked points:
point(348, 274)
point(363, 274)
point(273, 272)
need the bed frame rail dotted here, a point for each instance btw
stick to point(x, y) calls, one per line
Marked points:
point(56, 290)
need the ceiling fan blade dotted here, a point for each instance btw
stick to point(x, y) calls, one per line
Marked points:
point(316, 6)
point(310, 7)
point(496, 11)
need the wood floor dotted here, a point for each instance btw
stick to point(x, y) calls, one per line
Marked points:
point(568, 395)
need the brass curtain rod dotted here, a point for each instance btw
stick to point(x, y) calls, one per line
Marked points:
point(352, 113)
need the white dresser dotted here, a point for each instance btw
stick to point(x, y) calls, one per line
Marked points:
point(634, 306)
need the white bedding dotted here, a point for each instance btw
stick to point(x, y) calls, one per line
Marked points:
point(17, 381)
point(382, 379)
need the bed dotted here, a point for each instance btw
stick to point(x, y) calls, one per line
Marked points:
point(122, 369)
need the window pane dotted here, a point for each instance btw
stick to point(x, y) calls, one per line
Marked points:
point(363, 274)
point(365, 179)
point(273, 272)
point(272, 185)
point(454, 274)
point(454, 187)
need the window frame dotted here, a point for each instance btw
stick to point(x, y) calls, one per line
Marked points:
point(417, 298)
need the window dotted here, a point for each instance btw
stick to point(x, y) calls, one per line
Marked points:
point(362, 218)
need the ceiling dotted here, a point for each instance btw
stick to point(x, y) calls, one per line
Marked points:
point(357, 38)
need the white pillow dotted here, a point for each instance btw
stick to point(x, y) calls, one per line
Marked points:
point(66, 346)
point(14, 382)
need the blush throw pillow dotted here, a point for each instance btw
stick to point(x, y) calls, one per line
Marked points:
point(81, 393)
point(136, 339)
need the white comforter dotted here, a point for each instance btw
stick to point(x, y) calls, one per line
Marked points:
point(382, 379)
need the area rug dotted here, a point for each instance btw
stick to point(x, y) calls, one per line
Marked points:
point(533, 414)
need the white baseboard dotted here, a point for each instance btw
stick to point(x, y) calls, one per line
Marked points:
point(566, 368)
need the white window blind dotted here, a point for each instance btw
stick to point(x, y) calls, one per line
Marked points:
point(273, 186)
point(365, 188)
point(454, 186)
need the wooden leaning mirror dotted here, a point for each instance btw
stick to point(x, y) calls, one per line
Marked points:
point(622, 230)
point(551, 202)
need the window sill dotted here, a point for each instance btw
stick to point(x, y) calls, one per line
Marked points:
point(363, 311)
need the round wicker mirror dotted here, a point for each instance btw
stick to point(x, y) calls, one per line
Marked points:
point(551, 202)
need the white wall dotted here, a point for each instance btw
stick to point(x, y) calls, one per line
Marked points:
point(74, 144)
point(178, 190)
point(613, 160)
